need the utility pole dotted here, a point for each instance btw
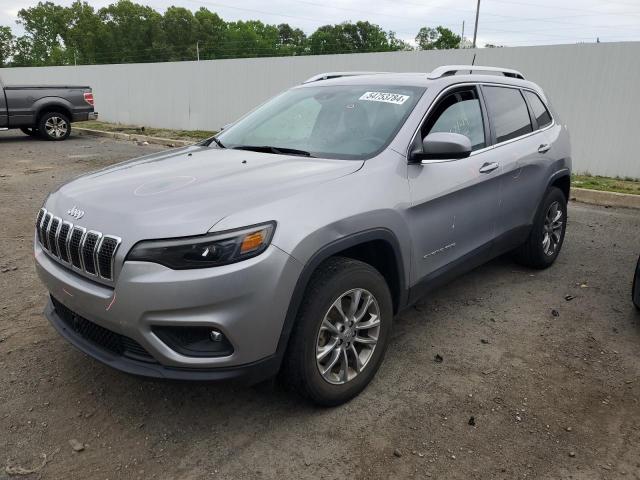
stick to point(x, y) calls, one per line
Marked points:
point(198, 50)
point(475, 30)
point(462, 37)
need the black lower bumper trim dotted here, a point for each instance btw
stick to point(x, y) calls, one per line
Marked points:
point(247, 374)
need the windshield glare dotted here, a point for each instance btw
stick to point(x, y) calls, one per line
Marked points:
point(344, 122)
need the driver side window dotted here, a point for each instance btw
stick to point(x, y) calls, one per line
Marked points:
point(458, 112)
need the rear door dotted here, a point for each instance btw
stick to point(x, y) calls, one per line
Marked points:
point(454, 204)
point(521, 148)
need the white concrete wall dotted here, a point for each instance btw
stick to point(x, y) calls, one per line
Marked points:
point(594, 87)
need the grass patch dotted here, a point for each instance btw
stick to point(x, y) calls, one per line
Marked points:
point(618, 185)
point(152, 132)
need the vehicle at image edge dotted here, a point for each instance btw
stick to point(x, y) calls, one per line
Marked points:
point(635, 292)
point(290, 241)
point(45, 111)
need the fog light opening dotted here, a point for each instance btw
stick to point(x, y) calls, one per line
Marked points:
point(195, 341)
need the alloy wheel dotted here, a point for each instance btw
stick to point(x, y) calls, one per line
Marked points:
point(56, 127)
point(553, 225)
point(348, 336)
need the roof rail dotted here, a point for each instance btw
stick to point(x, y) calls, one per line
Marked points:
point(330, 75)
point(447, 70)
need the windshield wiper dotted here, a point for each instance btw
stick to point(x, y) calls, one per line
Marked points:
point(208, 141)
point(277, 150)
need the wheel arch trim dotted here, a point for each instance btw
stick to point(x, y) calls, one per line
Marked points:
point(48, 104)
point(327, 251)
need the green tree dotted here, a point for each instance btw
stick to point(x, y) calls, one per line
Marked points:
point(397, 43)
point(83, 33)
point(250, 39)
point(133, 33)
point(6, 45)
point(439, 38)
point(44, 25)
point(211, 32)
point(291, 40)
point(353, 37)
point(180, 29)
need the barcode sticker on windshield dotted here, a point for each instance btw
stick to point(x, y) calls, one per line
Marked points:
point(385, 97)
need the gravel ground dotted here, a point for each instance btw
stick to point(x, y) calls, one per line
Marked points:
point(551, 396)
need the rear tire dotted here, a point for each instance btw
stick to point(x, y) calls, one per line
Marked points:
point(341, 332)
point(547, 234)
point(54, 126)
point(32, 132)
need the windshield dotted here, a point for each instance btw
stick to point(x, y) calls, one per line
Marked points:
point(344, 121)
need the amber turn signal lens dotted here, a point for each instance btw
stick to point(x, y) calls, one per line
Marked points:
point(252, 241)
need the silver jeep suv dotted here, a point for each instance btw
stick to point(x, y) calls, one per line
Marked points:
point(289, 241)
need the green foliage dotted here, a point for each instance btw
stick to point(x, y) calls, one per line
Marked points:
point(353, 37)
point(7, 45)
point(439, 38)
point(128, 32)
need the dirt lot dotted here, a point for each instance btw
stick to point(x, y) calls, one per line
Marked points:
point(551, 396)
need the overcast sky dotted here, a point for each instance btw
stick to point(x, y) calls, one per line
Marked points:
point(502, 22)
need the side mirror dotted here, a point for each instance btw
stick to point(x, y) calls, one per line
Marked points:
point(441, 147)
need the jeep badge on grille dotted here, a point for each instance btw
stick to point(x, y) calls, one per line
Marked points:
point(75, 213)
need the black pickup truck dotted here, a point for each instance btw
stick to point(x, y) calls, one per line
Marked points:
point(46, 110)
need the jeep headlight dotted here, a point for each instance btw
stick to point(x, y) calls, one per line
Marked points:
point(204, 251)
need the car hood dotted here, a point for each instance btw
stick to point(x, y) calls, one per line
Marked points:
point(186, 191)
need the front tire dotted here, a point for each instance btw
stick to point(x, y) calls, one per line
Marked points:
point(54, 126)
point(341, 333)
point(547, 234)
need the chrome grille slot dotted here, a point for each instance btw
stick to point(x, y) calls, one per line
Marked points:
point(43, 230)
point(89, 247)
point(39, 223)
point(77, 234)
point(63, 236)
point(52, 234)
point(106, 252)
point(88, 251)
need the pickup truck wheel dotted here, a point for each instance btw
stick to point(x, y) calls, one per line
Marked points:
point(32, 132)
point(341, 333)
point(547, 234)
point(54, 126)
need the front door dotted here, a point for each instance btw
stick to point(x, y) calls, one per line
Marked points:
point(454, 204)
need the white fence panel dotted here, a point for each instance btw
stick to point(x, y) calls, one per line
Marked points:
point(594, 87)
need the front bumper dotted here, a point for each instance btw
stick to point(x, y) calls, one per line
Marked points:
point(246, 301)
point(248, 374)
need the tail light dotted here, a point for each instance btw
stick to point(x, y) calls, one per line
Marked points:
point(88, 97)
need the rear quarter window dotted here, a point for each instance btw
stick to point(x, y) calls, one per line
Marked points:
point(508, 112)
point(541, 113)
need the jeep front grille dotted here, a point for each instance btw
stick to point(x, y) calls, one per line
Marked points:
point(88, 251)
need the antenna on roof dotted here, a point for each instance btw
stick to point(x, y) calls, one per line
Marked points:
point(473, 62)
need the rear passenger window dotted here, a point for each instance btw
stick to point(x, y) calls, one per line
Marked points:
point(539, 110)
point(508, 112)
point(458, 112)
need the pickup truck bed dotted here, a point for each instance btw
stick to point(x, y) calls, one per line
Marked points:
point(46, 110)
